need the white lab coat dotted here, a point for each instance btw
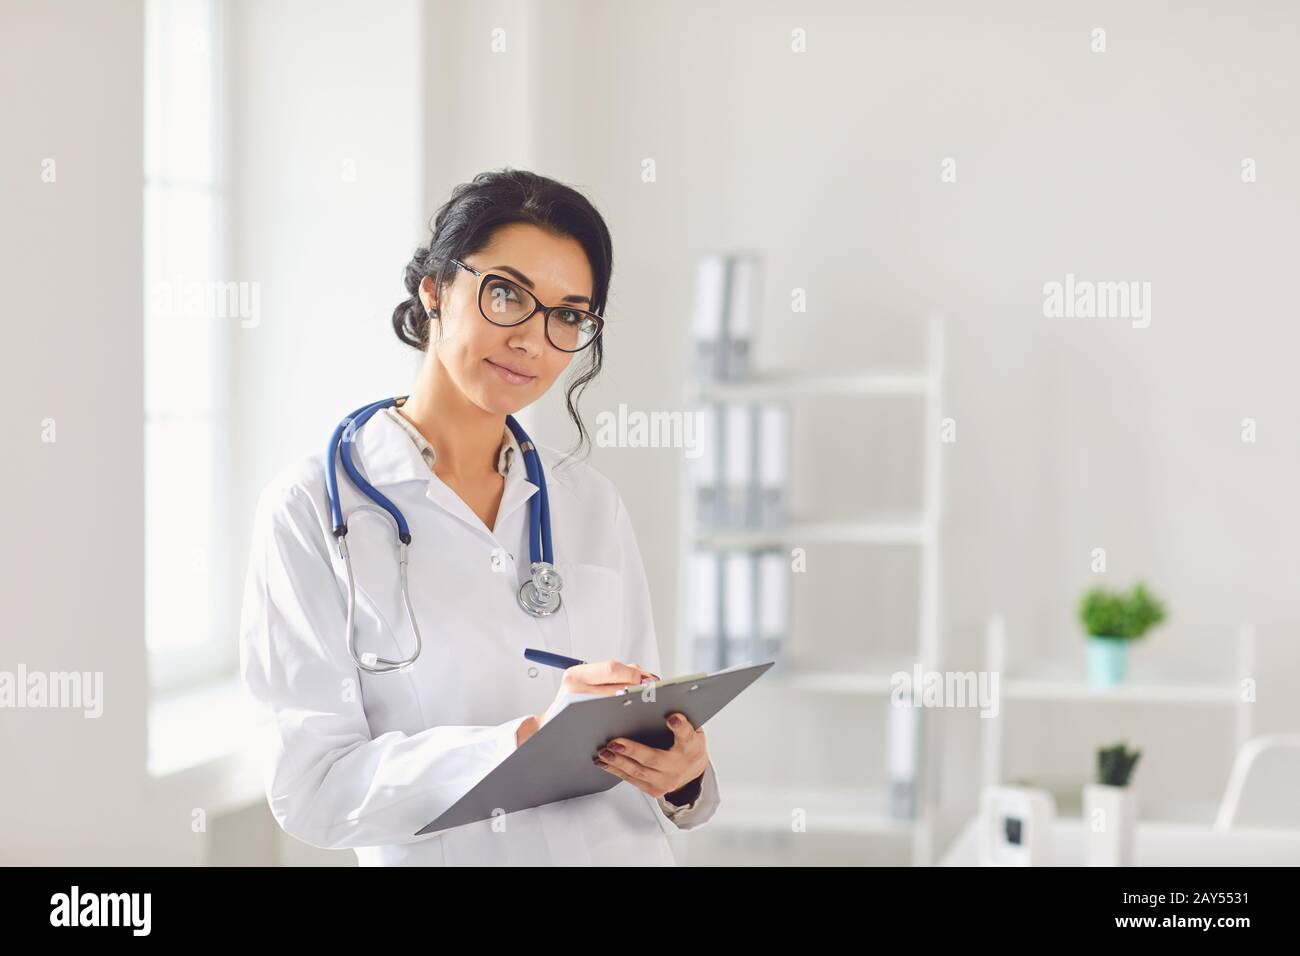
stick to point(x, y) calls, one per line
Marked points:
point(364, 761)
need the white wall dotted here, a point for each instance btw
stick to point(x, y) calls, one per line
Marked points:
point(72, 571)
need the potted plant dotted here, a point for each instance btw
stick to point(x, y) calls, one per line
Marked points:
point(1110, 809)
point(1111, 619)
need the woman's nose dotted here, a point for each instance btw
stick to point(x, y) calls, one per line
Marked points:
point(531, 336)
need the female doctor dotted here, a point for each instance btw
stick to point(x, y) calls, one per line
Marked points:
point(364, 759)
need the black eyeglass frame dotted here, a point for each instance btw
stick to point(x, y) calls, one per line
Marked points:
point(546, 310)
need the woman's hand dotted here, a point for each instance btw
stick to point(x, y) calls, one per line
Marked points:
point(654, 771)
point(601, 677)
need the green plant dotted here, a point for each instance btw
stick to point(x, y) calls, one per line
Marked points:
point(1106, 613)
point(1115, 765)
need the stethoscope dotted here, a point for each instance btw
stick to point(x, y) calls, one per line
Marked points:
point(539, 596)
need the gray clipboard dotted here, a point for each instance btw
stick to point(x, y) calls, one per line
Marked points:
point(555, 763)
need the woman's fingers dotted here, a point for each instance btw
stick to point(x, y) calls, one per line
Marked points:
point(651, 769)
point(605, 677)
point(644, 778)
point(646, 674)
point(651, 757)
point(577, 687)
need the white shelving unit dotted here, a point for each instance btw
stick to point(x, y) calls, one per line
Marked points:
point(861, 812)
point(832, 811)
point(1048, 684)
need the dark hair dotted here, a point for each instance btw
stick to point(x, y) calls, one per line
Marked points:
point(466, 223)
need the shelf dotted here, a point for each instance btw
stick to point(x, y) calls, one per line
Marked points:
point(1065, 679)
point(1188, 692)
point(1158, 844)
point(1062, 679)
point(902, 530)
point(845, 811)
point(770, 386)
point(1067, 795)
point(827, 811)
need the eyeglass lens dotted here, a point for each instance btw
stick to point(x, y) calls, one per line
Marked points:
point(507, 303)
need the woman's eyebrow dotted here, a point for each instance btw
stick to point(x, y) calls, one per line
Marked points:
point(529, 282)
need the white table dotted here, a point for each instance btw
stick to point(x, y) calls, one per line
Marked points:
point(1158, 844)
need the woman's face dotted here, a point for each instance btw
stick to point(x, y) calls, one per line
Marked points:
point(503, 369)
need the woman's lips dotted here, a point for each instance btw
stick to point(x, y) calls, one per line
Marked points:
point(509, 377)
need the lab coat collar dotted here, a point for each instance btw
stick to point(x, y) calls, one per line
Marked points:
point(509, 446)
point(391, 450)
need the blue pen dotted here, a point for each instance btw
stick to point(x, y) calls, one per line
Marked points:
point(551, 660)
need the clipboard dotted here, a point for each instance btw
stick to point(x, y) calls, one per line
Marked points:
point(555, 763)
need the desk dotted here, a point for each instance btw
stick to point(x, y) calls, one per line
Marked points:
point(1158, 844)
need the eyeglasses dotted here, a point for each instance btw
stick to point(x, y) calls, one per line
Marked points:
point(506, 303)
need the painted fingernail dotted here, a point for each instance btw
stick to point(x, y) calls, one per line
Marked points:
point(617, 748)
point(606, 754)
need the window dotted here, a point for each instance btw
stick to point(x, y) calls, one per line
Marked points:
point(189, 626)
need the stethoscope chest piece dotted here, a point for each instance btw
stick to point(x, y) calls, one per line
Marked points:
point(540, 595)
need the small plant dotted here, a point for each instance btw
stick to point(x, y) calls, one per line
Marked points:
point(1106, 613)
point(1115, 765)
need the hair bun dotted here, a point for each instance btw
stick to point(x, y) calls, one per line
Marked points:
point(415, 273)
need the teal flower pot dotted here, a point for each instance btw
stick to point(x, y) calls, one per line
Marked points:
point(1107, 661)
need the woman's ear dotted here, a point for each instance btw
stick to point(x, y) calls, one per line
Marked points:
point(429, 296)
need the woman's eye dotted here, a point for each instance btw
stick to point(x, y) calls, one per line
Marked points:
point(505, 298)
point(568, 316)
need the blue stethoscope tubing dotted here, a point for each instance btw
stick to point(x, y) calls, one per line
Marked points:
point(539, 596)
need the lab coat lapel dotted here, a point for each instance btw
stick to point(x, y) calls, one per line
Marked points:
point(518, 489)
point(446, 499)
point(390, 456)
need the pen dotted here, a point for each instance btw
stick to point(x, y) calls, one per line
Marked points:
point(551, 660)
